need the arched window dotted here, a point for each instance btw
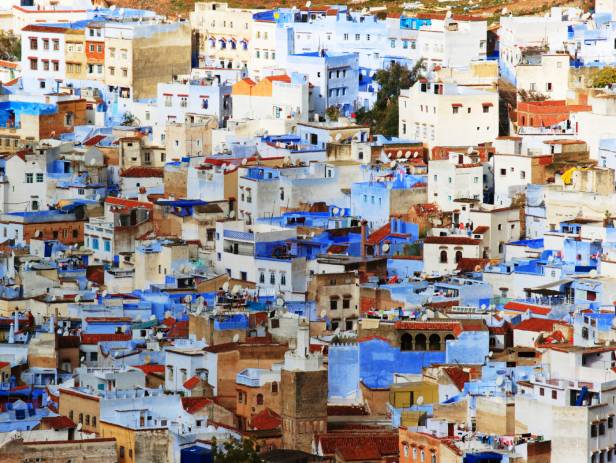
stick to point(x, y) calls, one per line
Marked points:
point(81, 418)
point(233, 45)
point(420, 342)
point(259, 399)
point(449, 337)
point(274, 387)
point(443, 256)
point(458, 256)
point(406, 342)
point(435, 342)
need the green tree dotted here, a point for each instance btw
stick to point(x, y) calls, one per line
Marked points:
point(604, 77)
point(383, 117)
point(10, 46)
point(233, 451)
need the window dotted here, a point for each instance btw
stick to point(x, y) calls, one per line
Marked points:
point(122, 451)
point(503, 172)
point(39, 178)
point(455, 109)
point(333, 303)
point(541, 391)
point(29, 178)
point(45, 44)
point(56, 44)
point(283, 279)
point(93, 421)
point(554, 395)
point(548, 86)
point(33, 64)
point(112, 52)
point(93, 356)
point(259, 399)
point(443, 256)
point(124, 72)
point(392, 43)
point(111, 71)
point(593, 430)
point(56, 65)
point(33, 43)
point(88, 420)
point(272, 278)
point(346, 303)
point(357, 36)
point(45, 65)
point(81, 417)
point(610, 422)
point(486, 109)
point(168, 100)
point(274, 387)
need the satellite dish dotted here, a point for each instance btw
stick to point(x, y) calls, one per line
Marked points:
point(335, 211)
point(308, 4)
point(399, 154)
point(92, 162)
point(159, 335)
point(236, 338)
point(152, 317)
point(59, 331)
point(592, 273)
point(500, 380)
point(77, 298)
point(78, 427)
point(200, 300)
point(232, 214)
point(407, 154)
point(279, 301)
point(225, 286)
point(83, 359)
point(236, 289)
point(392, 164)
point(483, 307)
point(104, 293)
point(244, 161)
point(470, 150)
point(490, 354)
point(188, 299)
point(420, 400)
point(323, 313)
point(385, 247)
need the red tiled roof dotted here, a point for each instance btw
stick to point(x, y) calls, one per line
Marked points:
point(142, 172)
point(107, 319)
point(127, 202)
point(481, 229)
point(103, 337)
point(151, 368)
point(4, 364)
point(279, 78)
point(458, 376)
point(94, 140)
point(44, 28)
point(536, 324)
point(500, 330)
point(192, 382)
point(179, 330)
point(379, 235)
point(194, 404)
point(58, 422)
point(524, 307)
point(452, 239)
point(427, 326)
point(265, 420)
point(358, 446)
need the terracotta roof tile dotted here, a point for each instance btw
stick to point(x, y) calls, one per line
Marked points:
point(536, 324)
point(194, 404)
point(192, 382)
point(379, 235)
point(458, 376)
point(151, 368)
point(104, 337)
point(265, 420)
point(141, 172)
point(452, 239)
point(58, 422)
point(524, 307)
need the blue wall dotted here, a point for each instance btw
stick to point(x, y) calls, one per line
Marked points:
point(343, 370)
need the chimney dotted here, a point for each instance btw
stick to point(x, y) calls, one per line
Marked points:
point(363, 238)
point(12, 334)
point(142, 196)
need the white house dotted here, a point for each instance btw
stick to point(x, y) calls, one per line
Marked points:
point(447, 114)
point(441, 254)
